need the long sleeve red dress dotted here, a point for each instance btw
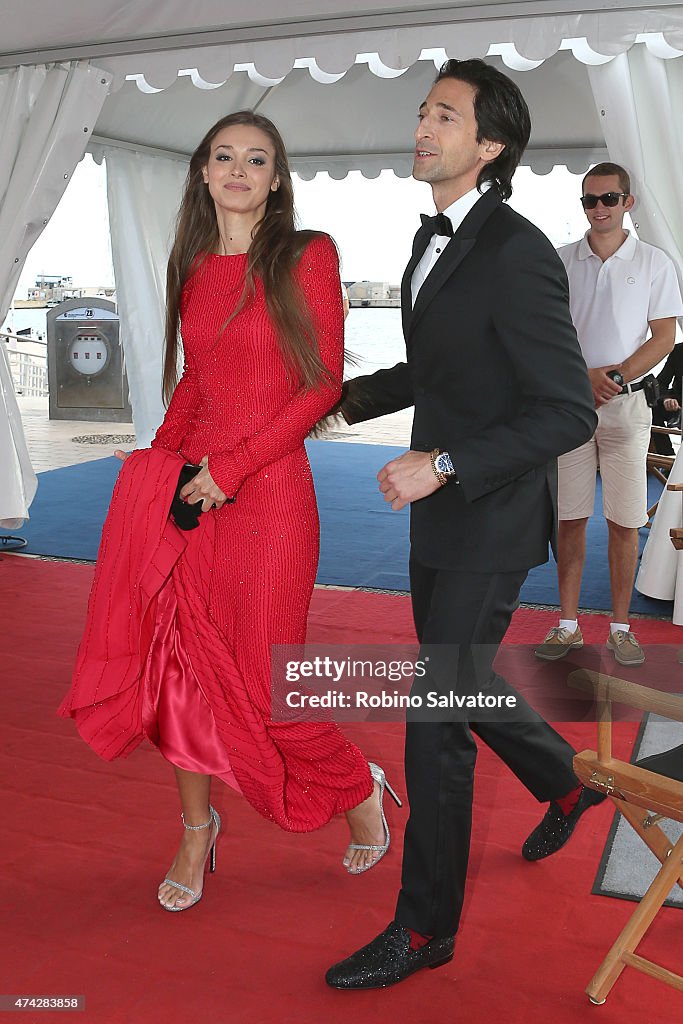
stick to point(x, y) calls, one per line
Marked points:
point(199, 678)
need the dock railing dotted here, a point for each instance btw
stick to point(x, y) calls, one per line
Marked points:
point(29, 369)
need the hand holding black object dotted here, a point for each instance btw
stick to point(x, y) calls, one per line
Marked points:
point(196, 492)
point(185, 514)
point(603, 384)
point(202, 487)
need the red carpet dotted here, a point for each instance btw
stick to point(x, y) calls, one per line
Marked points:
point(85, 844)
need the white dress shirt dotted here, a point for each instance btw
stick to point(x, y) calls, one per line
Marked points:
point(456, 213)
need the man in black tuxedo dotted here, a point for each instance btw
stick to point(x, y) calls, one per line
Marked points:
point(485, 316)
point(670, 398)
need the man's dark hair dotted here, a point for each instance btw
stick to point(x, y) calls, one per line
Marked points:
point(502, 116)
point(607, 170)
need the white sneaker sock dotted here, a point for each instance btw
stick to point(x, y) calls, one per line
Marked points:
point(571, 624)
point(623, 626)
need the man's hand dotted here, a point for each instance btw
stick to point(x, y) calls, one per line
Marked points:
point(603, 386)
point(203, 488)
point(671, 405)
point(407, 478)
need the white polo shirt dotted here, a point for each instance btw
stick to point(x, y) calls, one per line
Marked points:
point(612, 302)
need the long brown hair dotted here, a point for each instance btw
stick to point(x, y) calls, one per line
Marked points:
point(273, 254)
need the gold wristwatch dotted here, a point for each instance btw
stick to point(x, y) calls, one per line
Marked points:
point(442, 464)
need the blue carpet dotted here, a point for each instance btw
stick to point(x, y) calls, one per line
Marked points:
point(69, 509)
point(363, 543)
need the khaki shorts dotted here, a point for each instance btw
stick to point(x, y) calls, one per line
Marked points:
point(619, 446)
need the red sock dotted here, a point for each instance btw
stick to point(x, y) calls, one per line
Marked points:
point(417, 939)
point(568, 803)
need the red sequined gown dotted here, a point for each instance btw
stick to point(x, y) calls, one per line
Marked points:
point(253, 562)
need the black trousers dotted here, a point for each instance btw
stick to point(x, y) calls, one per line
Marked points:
point(663, 445)
point(464, 609)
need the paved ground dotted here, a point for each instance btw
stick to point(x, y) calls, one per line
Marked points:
point(52, 444)
point(393, 429)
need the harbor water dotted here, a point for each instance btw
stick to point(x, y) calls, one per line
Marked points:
point(373, 337)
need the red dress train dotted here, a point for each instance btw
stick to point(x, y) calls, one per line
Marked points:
point(177, 645)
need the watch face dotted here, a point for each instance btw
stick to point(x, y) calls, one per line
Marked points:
point(443, 464)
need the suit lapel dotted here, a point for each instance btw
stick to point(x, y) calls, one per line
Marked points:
point(420, 243)
point(460, 244)
point(449, 260)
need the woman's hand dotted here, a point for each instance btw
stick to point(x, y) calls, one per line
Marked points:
point(203, 488)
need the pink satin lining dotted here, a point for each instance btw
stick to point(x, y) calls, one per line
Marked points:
point(176, 715)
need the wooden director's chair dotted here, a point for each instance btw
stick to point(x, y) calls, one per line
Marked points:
point(644, 798)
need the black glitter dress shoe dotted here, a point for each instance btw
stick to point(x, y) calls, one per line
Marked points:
point(556, 827)
point(388, 959)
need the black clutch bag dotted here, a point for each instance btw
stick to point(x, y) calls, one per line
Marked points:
point(185, 515)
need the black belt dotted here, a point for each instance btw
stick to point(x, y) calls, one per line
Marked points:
point(628, 388)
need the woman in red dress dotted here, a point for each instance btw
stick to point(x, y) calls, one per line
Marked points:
point(259, 305)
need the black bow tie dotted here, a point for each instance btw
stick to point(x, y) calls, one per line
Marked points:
point(440, 224)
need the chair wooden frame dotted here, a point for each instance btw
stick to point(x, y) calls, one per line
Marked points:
point(643, 797)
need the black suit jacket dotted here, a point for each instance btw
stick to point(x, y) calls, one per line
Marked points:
point(497, 379)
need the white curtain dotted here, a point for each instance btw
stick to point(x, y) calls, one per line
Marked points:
point(639, 98)
point(18, 482)
point(144, 194)
point(46, 118)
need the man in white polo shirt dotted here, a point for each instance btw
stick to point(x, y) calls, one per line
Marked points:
point(624, 299)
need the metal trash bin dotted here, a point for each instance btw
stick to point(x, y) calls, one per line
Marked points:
point(85, 366)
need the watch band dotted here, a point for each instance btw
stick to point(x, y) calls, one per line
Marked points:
point(448, 472)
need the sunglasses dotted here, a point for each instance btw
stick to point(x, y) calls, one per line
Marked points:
point(589, 201)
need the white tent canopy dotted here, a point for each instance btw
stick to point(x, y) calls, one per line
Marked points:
point(281, 60)
point(156, 39)
point(343, 85)
point(363, 121)
point(298, 61)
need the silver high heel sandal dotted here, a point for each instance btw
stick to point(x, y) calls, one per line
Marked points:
point(215, 819)
point(381, 779)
